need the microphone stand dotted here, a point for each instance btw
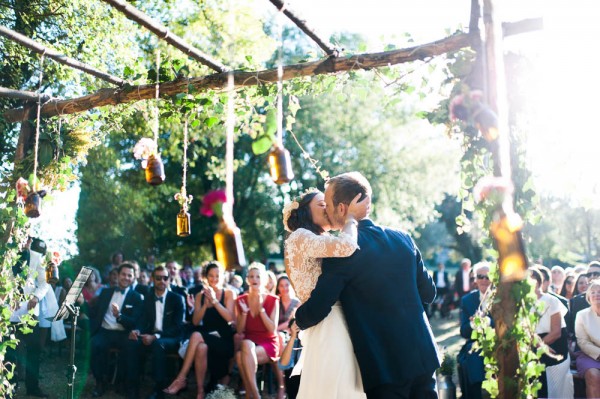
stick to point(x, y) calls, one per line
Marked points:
point(71, 368)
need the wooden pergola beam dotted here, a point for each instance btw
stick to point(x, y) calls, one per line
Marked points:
point(218, 81)
point(60, 58)
point(165, 34)
point(22, 94)
point(300, 23)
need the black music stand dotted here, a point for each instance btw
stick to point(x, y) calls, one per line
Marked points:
point(67, 308)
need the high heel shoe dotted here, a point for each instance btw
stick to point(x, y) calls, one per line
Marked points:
point(178, 385)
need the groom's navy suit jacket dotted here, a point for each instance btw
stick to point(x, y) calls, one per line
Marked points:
point(382, 288)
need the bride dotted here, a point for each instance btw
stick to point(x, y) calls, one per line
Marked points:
point(328, 364)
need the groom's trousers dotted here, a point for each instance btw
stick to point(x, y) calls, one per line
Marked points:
point(423, 387)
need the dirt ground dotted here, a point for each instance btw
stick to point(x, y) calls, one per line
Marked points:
point(55, 360)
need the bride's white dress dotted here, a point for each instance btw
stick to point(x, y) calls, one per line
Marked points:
point(328, 365)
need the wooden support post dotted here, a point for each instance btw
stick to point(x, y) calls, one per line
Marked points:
point(504, 310)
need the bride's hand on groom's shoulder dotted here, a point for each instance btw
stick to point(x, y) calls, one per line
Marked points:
point(359, 209)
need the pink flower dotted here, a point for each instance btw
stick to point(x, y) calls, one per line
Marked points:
point(492, 188)
point(22, 189)
point(463, 105)
point(211, 201)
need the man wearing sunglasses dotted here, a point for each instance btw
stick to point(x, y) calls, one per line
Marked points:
point(579, 302)
point(471, 370)
point(159, 332)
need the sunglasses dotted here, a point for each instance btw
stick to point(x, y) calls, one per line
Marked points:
point(482, 277)
point(593, 274)
point(163, 278)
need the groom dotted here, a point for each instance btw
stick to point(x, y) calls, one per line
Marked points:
point(382, 288)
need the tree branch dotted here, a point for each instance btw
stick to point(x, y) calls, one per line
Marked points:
point(56, 56)
point(22, 95)
point(300, 23)
point(165, 34)
point(218, 81)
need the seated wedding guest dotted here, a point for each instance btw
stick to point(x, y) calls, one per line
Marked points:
point(471, 363)
point(237, 284)
point(568, 286)
point(288, 303)
point(198, 283)
point(187, 277)
point(142, 289)
point(114, 315)
point(176, 285)
point(144, 279)
point(558, 279)
point(211, 344)
point(159, 331)
point(580, 302)
point(271, 283)
point(115, 260)
point(556, 379)
point(92, 286)
point(257, 315)
point(587, 327)
point(581, 284)
point(289, 358)
point(113, 278)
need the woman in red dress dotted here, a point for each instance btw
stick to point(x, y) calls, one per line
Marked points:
point(257, 315)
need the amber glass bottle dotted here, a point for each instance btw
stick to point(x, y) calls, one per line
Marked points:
point(155, 171)
point(228, 245)
point(183, 223)
point(280, 165)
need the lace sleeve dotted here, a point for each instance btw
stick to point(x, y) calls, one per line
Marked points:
point(325, 246)
point(303, 253)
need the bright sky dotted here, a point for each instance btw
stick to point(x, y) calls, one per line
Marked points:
point(563, 148)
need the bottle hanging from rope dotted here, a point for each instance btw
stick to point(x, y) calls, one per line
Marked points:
point(228, 245)
point(52, 273)
point(280, 165)
point(155, 171)
point(183, 223)
point(33, 203)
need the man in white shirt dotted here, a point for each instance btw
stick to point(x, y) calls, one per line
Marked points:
point(160, 330)
point(31, 268)
point(117, 311)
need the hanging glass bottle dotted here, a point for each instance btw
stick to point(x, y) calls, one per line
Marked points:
point(183, 223)
point(52, 273)
point(280, 165)
point(33, 203)
point(228, 245)
point(155, 171)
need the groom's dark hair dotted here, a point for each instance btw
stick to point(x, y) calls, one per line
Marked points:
point(347, 186)
point(301, 217)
